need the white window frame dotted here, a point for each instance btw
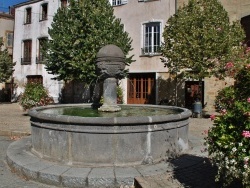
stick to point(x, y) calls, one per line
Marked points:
point(9, 39)
point(151, 37)
point(118, 2)
point(146, 0)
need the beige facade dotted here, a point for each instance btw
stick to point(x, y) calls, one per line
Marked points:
point(6, 34)
point(6, 30)
point(140, 17)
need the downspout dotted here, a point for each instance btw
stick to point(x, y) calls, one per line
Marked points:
point(176, 6)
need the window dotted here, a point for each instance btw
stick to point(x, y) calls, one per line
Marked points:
point(146, 0)
point(27, 46)
point(64, 3)
point(9, 41)
point(44, 12)
point(151, 38)
point(118, 2)
point(28, 16)
point(40, 58)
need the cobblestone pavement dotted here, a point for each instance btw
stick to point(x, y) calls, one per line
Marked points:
point(192, 169)
point(13, 120)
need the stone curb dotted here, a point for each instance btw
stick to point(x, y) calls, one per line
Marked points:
point(13, 133)
point(27, 165)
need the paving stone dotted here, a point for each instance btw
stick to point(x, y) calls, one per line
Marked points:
point(125, 175)
point(52, 175)
point(75, 177)
point(31, 171)
point(101, 177)
point(150, 170)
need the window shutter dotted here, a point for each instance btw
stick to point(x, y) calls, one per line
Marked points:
point(110, 1)
point(124, 1)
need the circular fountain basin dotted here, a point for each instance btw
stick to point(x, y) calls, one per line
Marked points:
point(109, 140)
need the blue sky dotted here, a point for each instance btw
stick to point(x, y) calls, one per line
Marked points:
point(4, 4)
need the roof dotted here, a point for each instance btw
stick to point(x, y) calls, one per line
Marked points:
point(6, 15)
point(28, 2)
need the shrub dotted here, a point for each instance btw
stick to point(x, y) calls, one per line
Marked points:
point(34, 94)
point(228, 140)
point(225, 98)
point(119, 95)
point(242, 83)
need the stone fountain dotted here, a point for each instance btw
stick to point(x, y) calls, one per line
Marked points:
point(107, 150)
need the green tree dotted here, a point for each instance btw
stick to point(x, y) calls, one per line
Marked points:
point(199, 38)
point(6, 64)
point(77, 33)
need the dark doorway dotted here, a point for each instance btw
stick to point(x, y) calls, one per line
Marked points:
point(245, 22)
point(7, 91)
point(193, 94)
point(35, 79)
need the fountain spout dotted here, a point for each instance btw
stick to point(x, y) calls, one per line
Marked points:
point(110, 64)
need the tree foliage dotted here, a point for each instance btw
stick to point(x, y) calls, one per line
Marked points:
point(6, 65)
point(77, 33)
point(199, 38)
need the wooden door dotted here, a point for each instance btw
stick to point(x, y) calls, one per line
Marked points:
point(141, 88)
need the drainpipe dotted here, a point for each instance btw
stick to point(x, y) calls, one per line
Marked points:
point(176, 6)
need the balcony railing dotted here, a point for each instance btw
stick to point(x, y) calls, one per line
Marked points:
point(43, 17)
point(40, 60)
point(151, 51)
point(26, 61)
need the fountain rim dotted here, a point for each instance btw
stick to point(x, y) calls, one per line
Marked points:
point(37, 113)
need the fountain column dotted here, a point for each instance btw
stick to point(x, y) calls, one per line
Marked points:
point(110, 63)
point(110, 96)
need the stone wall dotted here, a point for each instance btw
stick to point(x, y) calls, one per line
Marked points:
point(212, 86)
point(168, 85)
point(170, 90)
